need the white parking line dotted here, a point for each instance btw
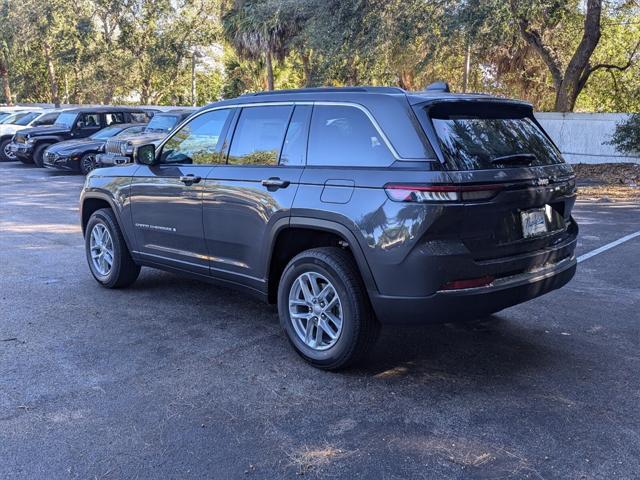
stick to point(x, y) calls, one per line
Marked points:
point(606, 247)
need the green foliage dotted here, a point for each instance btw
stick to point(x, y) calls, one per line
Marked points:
point(119, 51)
point(626, 138)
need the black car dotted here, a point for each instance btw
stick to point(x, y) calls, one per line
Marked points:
point(29, 144)
point(349, 208)
point(80, 155)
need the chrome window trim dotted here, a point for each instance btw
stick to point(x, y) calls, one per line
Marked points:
point(362, 108)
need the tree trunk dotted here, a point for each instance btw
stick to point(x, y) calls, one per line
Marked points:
point(467, 67)
point(4, 74)
point(269, 66)
point(53, 83)
point(568, 84)
point(6, 87)
point(406, 80)
point(307, 70)
point(193, 80)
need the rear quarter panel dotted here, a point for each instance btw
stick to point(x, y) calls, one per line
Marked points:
point(388, 233)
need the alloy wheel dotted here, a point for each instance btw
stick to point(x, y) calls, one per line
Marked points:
point(315, 311)
point(101, 246)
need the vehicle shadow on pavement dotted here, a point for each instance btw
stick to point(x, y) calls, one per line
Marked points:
point(484, 350)
point(488, 350)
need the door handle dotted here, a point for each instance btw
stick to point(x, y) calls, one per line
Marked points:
point(190, 179)
point(275, 182)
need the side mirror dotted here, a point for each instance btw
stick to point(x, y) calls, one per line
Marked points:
point(146, 154)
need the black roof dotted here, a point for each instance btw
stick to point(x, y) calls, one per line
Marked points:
point(364, 95)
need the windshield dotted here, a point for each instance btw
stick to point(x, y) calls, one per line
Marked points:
point(14, 117)
point(27, 119)
point(3, 115)
point(132, 130)
point(162, 123)
point(106, 133)
point(500, 136)
point(66, 119)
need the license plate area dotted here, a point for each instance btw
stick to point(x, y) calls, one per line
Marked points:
point(534, 222)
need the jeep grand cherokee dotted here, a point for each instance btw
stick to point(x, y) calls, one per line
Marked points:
point(350, 208)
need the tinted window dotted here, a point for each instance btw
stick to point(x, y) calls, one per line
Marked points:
point(259, 135)
point(88, 120)
point(294, 149)
point(196, 141)
point(114, 117)
point(474, 137)
point(28, 118)
point(342, 135)
point(66, 119)
point(140, 117)
point(48, 119)
point(14, 117)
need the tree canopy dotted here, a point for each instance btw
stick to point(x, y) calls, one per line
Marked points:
point(558, 54)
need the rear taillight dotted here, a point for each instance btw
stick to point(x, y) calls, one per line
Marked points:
point(403, 192)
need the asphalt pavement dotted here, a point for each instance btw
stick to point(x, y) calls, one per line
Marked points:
point(173, 378)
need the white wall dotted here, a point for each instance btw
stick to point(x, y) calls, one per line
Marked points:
point(581, 137)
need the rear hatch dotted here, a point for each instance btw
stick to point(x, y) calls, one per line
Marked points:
point(498, 147)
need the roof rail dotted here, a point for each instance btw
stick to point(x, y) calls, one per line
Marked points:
point(331, 90)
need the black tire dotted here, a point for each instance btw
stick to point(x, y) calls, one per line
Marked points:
point(26, 160)
point(359, 327)
point(87, 163)
point(124, 271)
point(3, 156)
point(38, 155)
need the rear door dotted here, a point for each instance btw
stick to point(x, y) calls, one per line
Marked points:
point(166, 198)
point(501, 143)
point(246, 199)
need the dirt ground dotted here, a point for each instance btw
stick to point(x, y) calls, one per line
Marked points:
point(608, 181)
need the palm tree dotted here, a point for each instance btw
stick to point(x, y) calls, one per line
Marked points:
point(259, 30)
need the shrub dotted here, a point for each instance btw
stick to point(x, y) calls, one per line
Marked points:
point(626, 138)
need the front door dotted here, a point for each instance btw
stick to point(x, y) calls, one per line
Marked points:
point(166, 198)
point(248, 197)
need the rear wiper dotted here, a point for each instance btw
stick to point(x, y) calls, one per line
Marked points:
point(525, 158)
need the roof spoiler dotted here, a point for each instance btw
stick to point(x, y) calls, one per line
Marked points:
point(438, 87)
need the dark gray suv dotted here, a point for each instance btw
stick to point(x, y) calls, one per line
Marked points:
point(350, 208)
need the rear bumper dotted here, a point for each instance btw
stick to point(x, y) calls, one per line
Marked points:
point(452, 305)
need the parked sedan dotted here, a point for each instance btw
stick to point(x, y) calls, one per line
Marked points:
point(80, 155)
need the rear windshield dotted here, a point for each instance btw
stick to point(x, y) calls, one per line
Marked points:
point(485, 136)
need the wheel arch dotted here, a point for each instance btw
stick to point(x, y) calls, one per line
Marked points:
point(95, 201)
point(302, 233)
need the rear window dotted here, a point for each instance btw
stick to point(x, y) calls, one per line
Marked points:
point(486, 136)
point(344, 136)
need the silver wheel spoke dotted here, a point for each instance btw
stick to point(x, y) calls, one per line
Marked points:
point(328, 330)
point(315, 311)
point(308, 295)
point(333, 302)
point(101, 249)
point(335, 320)
point(308, 337)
